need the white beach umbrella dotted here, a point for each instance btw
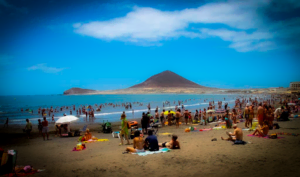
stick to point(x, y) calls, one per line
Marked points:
point(66, 119)
point(211, 110)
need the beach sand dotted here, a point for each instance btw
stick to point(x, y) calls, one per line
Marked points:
point(198, 156)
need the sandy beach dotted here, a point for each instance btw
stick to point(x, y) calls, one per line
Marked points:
point(198, 154)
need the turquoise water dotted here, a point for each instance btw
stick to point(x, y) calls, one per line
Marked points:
point(10, 106)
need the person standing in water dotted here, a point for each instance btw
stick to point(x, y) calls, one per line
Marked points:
point(124, 129)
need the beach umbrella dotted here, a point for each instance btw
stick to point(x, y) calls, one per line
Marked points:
point(66, 119)
point(291, 104)
point(167, 112)
point(211, 110)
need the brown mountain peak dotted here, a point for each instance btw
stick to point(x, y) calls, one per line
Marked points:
point(167, 79)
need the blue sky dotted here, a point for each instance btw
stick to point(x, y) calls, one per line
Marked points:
point(47, 47)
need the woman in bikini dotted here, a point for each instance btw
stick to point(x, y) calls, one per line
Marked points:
point(173, 144)
point(263, 130)
point(138, 143)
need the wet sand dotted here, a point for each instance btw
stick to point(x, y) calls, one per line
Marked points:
point(198, 156)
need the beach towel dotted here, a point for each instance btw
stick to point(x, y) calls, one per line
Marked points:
point(205, 129)
point(266, 137)
point(153, 152)
point(217, 128)
point(98, 140)
point(165, 133)
point(20, 172)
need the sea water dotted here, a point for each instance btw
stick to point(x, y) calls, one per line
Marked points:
point(10, 106)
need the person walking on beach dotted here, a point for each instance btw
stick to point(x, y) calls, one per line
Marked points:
point(45, 129)
point(124, 129)
point(6, 123)
point(28, 128)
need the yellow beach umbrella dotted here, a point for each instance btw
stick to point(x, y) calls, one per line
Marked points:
point(167, 112)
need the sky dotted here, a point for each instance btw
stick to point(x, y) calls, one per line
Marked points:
point(47, 47)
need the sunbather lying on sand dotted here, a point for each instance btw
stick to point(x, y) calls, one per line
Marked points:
point(236, 135)
point(262, 131)
point(138, 143)
point(173, 144)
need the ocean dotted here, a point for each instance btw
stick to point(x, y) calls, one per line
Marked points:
point(10, 106)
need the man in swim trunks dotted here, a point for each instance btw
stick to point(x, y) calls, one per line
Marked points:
point(45, 129)
point(260, 114)
point(173, 144)
point(186, 116)
point(263, 130)
point(237, 135)
point(138, 143)
point(177, 117)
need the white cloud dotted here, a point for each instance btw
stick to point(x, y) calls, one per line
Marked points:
point(149, 26)
point(43, 67)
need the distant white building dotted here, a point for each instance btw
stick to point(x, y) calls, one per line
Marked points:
point(295, 85)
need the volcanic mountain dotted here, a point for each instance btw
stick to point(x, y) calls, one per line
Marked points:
point(75, 91)
point(167, 79)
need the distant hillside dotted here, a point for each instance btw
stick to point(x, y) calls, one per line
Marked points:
point(75, 91)
point(167, 79)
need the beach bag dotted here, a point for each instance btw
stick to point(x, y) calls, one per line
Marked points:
point(273, 136)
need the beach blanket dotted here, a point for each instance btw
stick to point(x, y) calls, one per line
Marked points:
point(266, 137)
point(98, 140)
point(153, 152)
